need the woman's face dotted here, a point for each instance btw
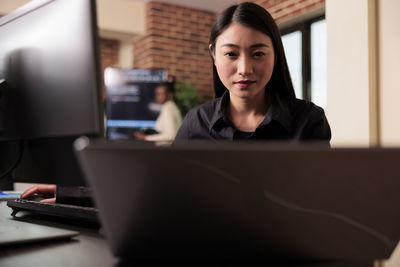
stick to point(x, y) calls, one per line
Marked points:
point(161, 94)
point(244, 59)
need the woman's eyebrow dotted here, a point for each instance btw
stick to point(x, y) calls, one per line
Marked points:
point(230, 45)
point(259, 45)
point(252, 46)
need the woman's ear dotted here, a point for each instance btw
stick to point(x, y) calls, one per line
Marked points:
point(212, 51)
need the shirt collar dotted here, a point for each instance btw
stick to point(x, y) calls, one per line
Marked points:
point(280, 114)
point(220, 110)
point(276, 112)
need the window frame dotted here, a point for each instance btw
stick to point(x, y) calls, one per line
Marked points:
point(305, 28)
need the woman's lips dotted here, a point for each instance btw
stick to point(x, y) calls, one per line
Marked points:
point(244, 83)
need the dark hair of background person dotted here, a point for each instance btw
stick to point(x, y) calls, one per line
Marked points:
point(170, 86)
point(254, 16)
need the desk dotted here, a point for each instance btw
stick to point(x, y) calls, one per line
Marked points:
point(90, 249)
point(87, 249)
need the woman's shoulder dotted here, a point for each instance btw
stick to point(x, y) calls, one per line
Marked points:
point(298, 106)
point(198, 120)
point(205, 110)
point(170, 105)
point(311, 119)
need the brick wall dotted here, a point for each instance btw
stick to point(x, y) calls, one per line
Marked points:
point(109, 53)
point(177, 40)
point(285, 9)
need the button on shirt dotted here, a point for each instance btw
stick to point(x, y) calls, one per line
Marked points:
point(297, 120)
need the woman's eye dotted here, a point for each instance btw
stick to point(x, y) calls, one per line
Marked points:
point(258, 54)
point(230, 54)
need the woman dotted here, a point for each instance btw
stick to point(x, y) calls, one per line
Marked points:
point(255, 96)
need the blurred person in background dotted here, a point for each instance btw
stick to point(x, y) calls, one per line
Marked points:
point(168, 121)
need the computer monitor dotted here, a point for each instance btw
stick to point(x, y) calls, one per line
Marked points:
point(50, 86)
point(131, 102)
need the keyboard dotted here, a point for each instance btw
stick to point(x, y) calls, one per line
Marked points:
point(73, 212)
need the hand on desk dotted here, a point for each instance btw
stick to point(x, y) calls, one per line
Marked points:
point(42, 189)
point(139, 136)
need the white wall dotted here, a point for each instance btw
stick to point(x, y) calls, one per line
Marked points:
point(121, 16)
point(389, 59)
point(122, 20)
point(363, 72)
point(348, 83)
point(6, 6)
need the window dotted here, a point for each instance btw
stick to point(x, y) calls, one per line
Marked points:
point(292, 43)
point(305, 49)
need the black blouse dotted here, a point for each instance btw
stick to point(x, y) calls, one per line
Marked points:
point(298, 120)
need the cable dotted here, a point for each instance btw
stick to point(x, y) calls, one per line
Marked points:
point(17, 161)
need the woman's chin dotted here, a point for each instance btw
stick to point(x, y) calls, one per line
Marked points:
point(243, 94)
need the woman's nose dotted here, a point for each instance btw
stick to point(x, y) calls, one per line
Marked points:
point(244, 66)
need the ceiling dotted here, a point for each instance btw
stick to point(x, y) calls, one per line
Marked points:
point(209, 5)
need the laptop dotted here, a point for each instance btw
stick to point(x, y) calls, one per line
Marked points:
point(14, 232)
point(244, 202)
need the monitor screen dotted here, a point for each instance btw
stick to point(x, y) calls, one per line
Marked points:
point(50, 90)
point(131, 103)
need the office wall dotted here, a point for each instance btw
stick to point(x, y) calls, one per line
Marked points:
point(287, 10)
point(6, 6)
point(389, 62)
point(176, 39)
point(348, 85)
point(363, 64)
point(121, 17)
point(121, 21)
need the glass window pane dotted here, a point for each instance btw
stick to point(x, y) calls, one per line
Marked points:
point(292, 45)
point(318, 63)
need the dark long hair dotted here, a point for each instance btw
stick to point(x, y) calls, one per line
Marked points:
point(254, 16)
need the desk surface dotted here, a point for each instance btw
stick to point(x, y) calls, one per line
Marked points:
point(87, 249)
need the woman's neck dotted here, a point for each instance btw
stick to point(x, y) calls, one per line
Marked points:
point(247, 114)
